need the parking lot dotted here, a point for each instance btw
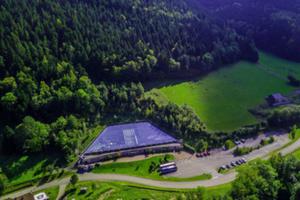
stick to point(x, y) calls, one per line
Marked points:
point(189, 166)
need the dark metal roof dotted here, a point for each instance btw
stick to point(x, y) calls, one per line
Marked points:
point(127, 136)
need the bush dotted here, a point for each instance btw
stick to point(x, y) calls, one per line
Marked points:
point(2, 183)
point(264, 142)
point(239, 151)
point(229, 144)
point(74, 179)
point(293, 81)
point(293, 132)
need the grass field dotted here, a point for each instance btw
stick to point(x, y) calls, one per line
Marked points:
point(222, 98)
point(25, 168)
point(296, 154)
point(51, 192)
point(129, 191)
point(25, 171)
point(110, 191)
point(141, 169)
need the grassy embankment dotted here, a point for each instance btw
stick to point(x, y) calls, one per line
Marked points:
point(142, 168)
point(28, 170)
point(222, 98)
point(129, 191)
point(25, 171)
point(51, 192)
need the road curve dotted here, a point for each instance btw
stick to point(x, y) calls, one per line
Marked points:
point(220, 179)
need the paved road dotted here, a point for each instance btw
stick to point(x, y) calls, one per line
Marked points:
point(193, 166)
point(116, 177)
point(217, 180)
point(290, 148)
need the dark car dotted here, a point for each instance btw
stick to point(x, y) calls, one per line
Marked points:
point(198, 155)
point(237, 142)
point(233, 164)
point(238, 162)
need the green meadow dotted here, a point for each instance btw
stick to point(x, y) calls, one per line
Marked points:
point(222, 99)
point(129, 191)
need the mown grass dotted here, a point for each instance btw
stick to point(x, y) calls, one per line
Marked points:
point(28, 170)
point(107, 191)
point(129, 191)
point(296, 153)
point(215, 191)
point(141, 168)
point(51, 192)
point(25, 171)
point(222, 99)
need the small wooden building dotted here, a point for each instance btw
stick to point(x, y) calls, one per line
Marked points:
point(277, 99)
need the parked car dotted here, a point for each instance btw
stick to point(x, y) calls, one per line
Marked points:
point(237, 142)
point(238, 162)
point(233, 164)
point(243, 140)
point(198, 155)
point(228, 166)
point(244, 160)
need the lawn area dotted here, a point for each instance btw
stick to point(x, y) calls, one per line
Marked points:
point(51, 192)
point(279, 66)
point(215, 191)
point(110, 191)
point(296, 153)
point(129, 191)
point(142, 169)
point(222, 98)
point(25, 171)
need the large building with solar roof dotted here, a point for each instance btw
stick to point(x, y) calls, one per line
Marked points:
point(128, 140)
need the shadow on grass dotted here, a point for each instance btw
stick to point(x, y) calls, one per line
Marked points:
point(14, 166)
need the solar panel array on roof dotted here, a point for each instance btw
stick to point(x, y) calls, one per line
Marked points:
point(127, 136)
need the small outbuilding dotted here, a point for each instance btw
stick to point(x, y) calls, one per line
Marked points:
point(277, 99)
point(41, 196)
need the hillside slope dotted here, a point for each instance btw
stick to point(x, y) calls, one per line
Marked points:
point(114, 39)
point(274, 24)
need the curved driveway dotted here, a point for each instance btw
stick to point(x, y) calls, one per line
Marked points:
point(218, 180)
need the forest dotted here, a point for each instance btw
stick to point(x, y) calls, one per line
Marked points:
point(274, 25)
point(275, 179)
point(69, 66)
point(63, 63)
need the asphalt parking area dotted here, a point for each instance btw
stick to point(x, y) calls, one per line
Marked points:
point(194, 166)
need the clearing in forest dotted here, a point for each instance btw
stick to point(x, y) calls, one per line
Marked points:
point(222, 99)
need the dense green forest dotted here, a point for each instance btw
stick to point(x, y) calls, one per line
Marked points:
point(275, 179)
point(60, 61)
point(70, 66)
point(274, 25)
point(114, 39)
